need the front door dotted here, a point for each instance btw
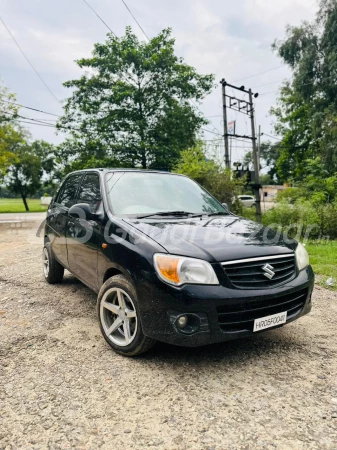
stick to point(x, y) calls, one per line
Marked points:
point(58, 219)
point(83, 236)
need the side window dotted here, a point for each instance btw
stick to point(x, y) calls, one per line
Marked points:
point(67, 196)
point(90, 191)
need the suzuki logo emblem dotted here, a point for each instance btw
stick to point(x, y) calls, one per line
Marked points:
point(268, 271)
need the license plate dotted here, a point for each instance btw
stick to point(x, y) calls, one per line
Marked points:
point(270, 321)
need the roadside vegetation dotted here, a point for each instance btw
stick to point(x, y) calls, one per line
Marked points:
point(310, 209)
point(323, 260)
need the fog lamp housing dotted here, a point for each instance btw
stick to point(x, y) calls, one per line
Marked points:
point(189, 323)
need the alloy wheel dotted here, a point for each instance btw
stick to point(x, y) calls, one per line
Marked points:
point(45, 261)
point(118, 317)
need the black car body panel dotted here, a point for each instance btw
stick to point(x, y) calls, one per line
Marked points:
point(214, 239)
point(131, 245)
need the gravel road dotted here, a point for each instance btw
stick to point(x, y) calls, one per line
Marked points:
point(62, 387)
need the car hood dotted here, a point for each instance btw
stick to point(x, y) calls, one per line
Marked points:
point(224, 238)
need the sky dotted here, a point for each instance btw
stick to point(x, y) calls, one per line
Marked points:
point(231, 39)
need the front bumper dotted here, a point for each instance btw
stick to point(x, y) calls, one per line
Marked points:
point(224, 313)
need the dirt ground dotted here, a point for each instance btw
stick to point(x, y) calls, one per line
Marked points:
point(62, 387)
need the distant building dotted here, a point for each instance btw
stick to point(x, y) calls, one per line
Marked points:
point(269, 192)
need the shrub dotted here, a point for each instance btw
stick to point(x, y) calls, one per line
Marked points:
point(248, 213)
point(303, 219)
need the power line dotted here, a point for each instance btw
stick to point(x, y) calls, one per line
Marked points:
point(239, 140)
point(299, 85)
point(37, 121)
point(274, 137)
point(266, 93)
point(40, 122)
point(12, 116)
point(234, 147)
point(210, 131)
point(50, 125)
point(267, 84)
point(126, 6)
point(28, 107)
point(29, 62)
point(260, 73)
point(34, 123)
point(100, 18)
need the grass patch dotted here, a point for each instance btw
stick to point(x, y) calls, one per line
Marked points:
point(15, 205)
point(323, 258)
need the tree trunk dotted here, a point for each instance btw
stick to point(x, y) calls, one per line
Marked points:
point(24, 199)
point(144, 165)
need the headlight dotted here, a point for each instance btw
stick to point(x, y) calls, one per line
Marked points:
point(302, 257)
point(178, 270)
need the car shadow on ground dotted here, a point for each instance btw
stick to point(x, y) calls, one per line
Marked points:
point(274, 342)
point(70, 280)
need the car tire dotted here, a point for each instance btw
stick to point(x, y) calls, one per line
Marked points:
point(119, 318)
point(53, 271)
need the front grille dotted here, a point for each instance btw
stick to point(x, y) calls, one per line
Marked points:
point(250, 273)
point(241, 316)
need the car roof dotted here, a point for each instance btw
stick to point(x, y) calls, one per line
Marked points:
point(106, 170)
point(101, 169)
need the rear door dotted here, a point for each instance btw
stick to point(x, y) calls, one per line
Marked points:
point(58, 220)
point(83, 236)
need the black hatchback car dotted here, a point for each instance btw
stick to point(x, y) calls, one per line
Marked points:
point(169, 262)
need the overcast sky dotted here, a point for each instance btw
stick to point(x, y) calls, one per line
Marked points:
point(231, 39)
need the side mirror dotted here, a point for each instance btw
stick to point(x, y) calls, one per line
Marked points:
point(225, 206)
point(81, 211)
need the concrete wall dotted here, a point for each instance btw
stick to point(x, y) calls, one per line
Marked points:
point(269, 193)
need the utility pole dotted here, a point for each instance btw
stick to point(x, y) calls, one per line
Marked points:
point(243, 107)
point(256, 186)
point(227, 162)
point(230, 152)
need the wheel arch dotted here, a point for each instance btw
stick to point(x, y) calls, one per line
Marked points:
point(112, 271)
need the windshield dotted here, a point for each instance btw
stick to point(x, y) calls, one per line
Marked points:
point(137, 193)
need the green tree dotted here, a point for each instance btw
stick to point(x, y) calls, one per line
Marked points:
point(24, 176)
point(8, 135)
point(8, 108)
point(132, 105)
point(10, 140)
point(29, 163)
point(307, 109)
point(217, 180)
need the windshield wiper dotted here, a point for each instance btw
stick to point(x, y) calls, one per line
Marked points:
point(220, 213)
point(166, 213)
point(183, 213)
